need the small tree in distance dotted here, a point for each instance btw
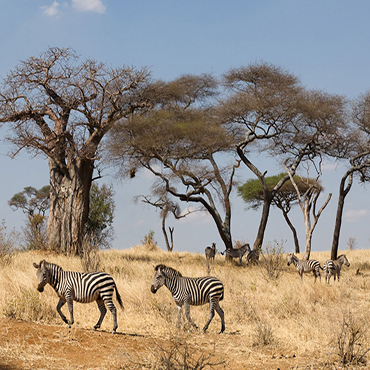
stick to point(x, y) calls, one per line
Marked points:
point(286, 197)
point(34, 203)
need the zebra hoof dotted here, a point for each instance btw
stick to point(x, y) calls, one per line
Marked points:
point(114, 332)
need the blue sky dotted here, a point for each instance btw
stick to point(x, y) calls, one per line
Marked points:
point(324, 43)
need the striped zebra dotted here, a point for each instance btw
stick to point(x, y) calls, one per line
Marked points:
point(80, 287)
point(210, 252)
point(238, 252)
point(304, 266)
point(187, 291)
point(333, 267)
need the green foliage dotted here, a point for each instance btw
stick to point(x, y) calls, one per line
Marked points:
point(31, 200)
point(98, 228)
point(252, 191)
point(34, 203)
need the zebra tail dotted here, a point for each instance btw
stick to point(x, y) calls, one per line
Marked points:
point(118, 297)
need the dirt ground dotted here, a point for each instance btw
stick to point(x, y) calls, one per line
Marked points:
point(27, 345)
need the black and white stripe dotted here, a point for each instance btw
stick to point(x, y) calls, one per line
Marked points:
point(304, 266)
point(333, 267)
point(80, 287)
point(238, 252)
point(187, 291)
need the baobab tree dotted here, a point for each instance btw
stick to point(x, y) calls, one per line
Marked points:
point(62, 108)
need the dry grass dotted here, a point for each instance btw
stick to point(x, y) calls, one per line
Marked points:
point(285, 315)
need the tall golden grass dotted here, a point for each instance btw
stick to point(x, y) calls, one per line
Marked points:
point(287, 314)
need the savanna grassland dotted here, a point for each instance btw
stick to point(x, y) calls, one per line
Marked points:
point(271, 322)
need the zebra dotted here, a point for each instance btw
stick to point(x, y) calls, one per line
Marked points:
point(238, 252)
point(253, 256)
point(80, 287)
point(304, 266)
point(210, 252)
point(188, 291)
point(333, 267)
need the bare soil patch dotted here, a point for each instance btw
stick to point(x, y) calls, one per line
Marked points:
point(27, 345)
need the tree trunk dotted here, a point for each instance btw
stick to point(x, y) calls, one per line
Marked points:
point(294, 231)
point(69, 205)
point(165, 233)
point(263, 222)
point(338, 220)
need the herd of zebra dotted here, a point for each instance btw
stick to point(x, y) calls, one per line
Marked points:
point(186, 291)
point(330, 267)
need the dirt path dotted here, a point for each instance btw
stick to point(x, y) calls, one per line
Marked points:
point(26, 345)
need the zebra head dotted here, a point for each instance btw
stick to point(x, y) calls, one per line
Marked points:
point(162, 273)
point(292, 258)
point(42, 274)
point(345, 260)
point(159, 278)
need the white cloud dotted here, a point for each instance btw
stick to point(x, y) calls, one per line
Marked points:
point(353, 215)
point(51, 10)
point(89, 6)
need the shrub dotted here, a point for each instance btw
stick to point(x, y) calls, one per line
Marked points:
point(27, 305)
point(7, 245)
point(350, 340)
point(272, 261)
point(178, 355)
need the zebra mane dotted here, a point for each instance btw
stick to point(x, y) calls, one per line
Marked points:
point(342, 255)
point(52, 266)
point(168, 269)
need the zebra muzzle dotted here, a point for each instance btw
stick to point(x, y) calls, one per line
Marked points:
point(153, 289)
point(40, 288)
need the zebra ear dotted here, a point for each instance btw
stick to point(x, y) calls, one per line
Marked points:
point(35, 265)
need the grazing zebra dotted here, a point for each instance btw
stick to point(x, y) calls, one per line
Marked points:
point(253, 257)
point(238, 252)
point(333, 267)
point(210, 252)
point(304, 266)
point(188, 291)
point(80, 287)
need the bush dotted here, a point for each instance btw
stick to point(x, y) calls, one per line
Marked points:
point(177, 356)
point(149, 242)
point(27, 305)
point(272, 261)
point(7, 245)
point(350, 340)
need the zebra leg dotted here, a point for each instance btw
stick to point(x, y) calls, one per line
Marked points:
point(102, 310)
point(61, 303)
point(222, 316)
point(211, 315)
point(187, 314)
point(179, 308)
point(70, 308)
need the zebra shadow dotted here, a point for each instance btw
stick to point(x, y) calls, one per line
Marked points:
point(118, 333)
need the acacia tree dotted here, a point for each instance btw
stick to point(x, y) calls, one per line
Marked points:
point(181, 142)
point(356, 138)
point(63, 108)
point(284, 199)
point(281, 118)
point(308, 204)
point(34, 203)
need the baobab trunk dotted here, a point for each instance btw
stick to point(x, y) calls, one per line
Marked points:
point(69, 205)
